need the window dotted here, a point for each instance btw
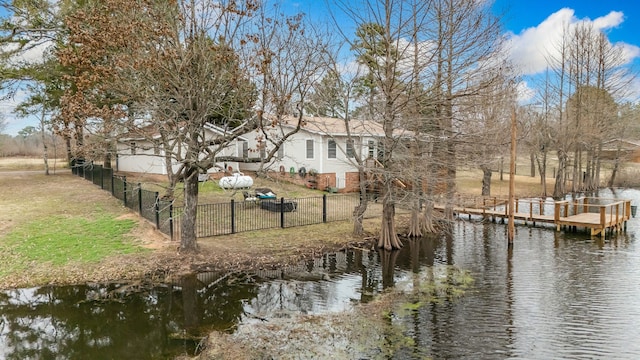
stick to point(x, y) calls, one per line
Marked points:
point(309, 149)
point(372, 148)
point(380, 151)
point(331, 149)
point(351, 153)
point(245, 149)
point(133, 148)
point(156, 149)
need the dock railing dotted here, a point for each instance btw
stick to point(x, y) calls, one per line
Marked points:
point(611, 211)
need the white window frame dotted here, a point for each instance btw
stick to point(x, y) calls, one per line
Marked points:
point(350, 148)
point(309, 147)
point(332, 149)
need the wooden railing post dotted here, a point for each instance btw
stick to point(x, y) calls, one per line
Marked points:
point(531, 210)
point(556, 215)
point(627, 210)
point(585, 205)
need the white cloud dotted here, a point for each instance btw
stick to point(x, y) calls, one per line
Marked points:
point(611, 20)
point(15, 123)
point(530, 49)
point(526, 94)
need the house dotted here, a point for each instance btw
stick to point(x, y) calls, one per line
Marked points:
point(142, 152)
point(321, 146)
point(628, 150)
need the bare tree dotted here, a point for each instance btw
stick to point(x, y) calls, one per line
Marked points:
point(180, 73)
point(288, 56)
point(485, 136)
point(423, 58)
point(589, 76)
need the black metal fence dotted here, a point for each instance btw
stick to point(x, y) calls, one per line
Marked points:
point(146, 203)
point(239, 216)
point(229, 217)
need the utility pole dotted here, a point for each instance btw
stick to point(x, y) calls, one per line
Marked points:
point(512, 184)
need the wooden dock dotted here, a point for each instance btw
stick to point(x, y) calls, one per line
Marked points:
point(597, 215)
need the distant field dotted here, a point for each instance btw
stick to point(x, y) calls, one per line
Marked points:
point(20, 163)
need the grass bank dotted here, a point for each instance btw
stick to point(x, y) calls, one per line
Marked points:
point(61, 229)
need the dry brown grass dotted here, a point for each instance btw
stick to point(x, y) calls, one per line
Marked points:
point(470, 183)
point(20, 163)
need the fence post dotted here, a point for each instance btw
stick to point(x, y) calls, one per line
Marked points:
point(124, 191)
point(233, 217)
point(157, 209)
point(102, 177)
point(113, 191)
point(140, 198)
point(171, 220)
point(282, 212)
point(324, 208)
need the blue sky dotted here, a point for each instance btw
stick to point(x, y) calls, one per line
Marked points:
point(525, 14)
point(530, 25)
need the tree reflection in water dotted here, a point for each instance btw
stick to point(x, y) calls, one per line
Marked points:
point(116, 320)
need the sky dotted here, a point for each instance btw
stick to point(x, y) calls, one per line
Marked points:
point(530, 26)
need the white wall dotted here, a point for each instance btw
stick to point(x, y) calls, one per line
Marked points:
point(146, 160)
point(295, 155)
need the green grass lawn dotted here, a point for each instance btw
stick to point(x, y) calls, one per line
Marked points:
point(62, 240)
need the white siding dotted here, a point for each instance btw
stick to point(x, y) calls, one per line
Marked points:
point(146, 161)
point(295, 154)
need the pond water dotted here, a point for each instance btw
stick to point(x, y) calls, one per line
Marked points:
point(554, 295)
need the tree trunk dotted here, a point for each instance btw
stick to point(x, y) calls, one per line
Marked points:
point(67, 142)
point(597, 164)
point(616, 167)
point(542, 170)
point(559, 188)
point(188, 239)
point(486, 180)
point(388, 236)
point(169, 192)
point(428, 217)
point(417, 220)
point(45, 149)
point(417, 223)
point(358, 212)
point(107, 156)
point(533, 164)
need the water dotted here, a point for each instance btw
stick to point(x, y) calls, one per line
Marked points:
point(555, 295)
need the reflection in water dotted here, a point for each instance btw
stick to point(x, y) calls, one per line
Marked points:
point(110, 321)
point(553, 295)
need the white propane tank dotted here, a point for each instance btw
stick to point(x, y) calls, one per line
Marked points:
point(236, 181)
